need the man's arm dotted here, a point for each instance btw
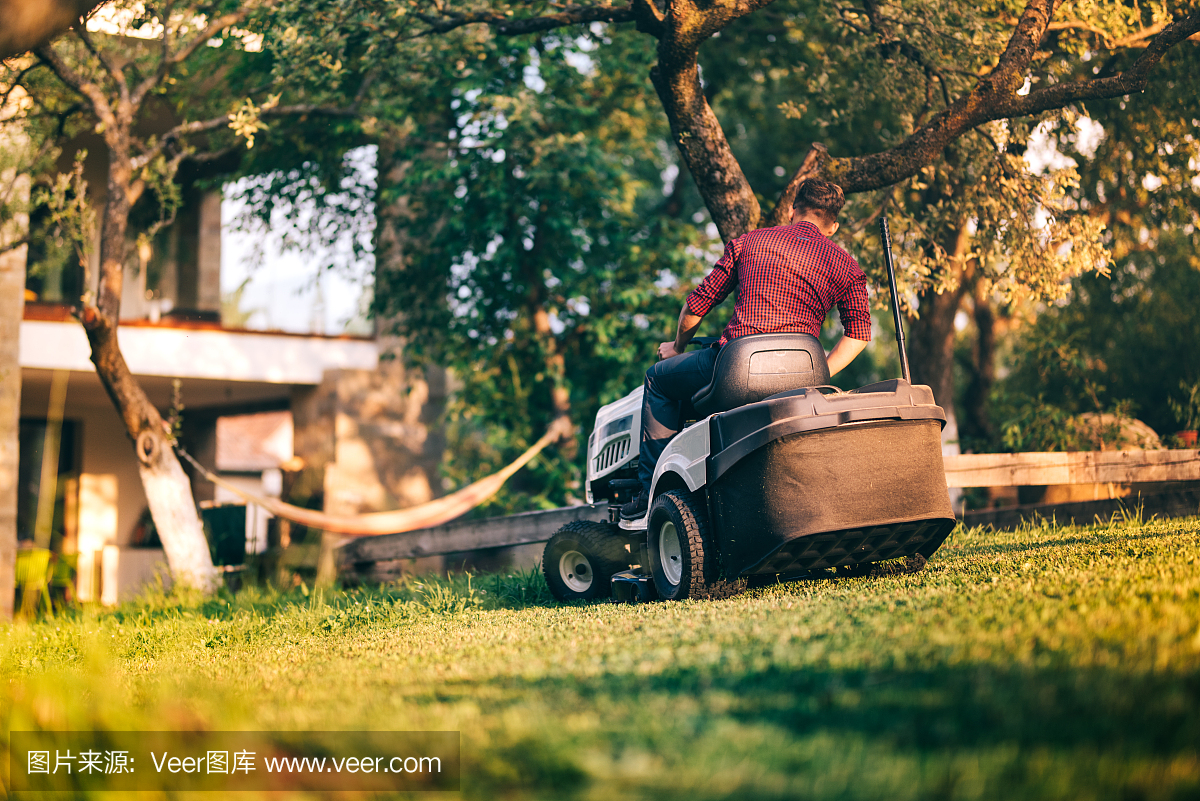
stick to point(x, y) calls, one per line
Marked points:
point(854, 310)
point(715, 287)
point(688, 323)
point(843, 353)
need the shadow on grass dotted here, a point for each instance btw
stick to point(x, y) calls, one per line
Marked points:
point(946, 708)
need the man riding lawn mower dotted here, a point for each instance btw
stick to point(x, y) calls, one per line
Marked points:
point(748, 463)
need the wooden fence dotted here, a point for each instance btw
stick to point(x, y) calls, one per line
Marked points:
point(378, 557)
point(1092, 467)
point(371, 555)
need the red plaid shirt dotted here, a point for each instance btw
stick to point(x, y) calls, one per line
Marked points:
point(788, 278)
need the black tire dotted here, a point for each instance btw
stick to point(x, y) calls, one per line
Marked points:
point(598, 550)
point(688, 567)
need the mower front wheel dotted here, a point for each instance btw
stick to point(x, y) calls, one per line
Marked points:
point(683, 559)
point(580, 560)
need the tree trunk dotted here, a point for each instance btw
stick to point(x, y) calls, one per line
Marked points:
point(931, 335)
point(12, 304)
point(694, 127)
point(931, 351)
point(976, 424)
point(681, 30)
point(168, 490)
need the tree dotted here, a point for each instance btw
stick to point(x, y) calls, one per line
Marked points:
point(930, 104)
point(109, 82)
point(928, 75)
point(975, 64)
point(1128, 338)
point(541, 222)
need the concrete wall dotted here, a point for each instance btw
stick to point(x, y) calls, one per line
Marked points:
point(213, 354)
point(208, 256)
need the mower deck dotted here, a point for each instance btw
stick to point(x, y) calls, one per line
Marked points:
point(857, 546)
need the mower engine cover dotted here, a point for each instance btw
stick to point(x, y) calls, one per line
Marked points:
point(809, 479)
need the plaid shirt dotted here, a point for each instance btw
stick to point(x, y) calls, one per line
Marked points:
point(788, 278)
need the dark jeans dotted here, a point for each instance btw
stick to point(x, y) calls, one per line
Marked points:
point(670, 385)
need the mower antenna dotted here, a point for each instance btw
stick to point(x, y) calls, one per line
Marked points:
point(891, 271)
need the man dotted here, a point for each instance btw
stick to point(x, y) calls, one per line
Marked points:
point(787, 278)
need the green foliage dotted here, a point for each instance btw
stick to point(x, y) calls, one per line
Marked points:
point(1036, 424)
point(70, 218)
point(548, 265)
point(810, 72)
point(1132, 337)
point(1140, 176)
point(63, 220)
point(1187, 411)
point(181, 111)
point(1046, 663)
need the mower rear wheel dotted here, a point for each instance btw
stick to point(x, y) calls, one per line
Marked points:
point(683, 559)
point(580, 560)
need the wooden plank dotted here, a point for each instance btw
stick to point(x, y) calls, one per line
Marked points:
point(1094, 467)
point(468, 535)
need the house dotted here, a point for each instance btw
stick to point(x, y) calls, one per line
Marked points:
point(352, 432)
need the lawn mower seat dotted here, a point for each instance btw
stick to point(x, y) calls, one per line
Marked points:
point(752, 368)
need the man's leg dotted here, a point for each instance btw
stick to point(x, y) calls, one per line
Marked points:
point(669, 384)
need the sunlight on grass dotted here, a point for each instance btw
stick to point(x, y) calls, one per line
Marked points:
point(1049, 662)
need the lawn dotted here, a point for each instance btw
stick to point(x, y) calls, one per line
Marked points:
point(1049, 662)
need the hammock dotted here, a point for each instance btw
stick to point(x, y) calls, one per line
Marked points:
point(433, 513)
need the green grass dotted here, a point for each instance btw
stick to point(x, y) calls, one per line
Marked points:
point(1045, 663)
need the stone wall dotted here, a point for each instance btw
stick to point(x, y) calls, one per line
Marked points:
point(369, 439)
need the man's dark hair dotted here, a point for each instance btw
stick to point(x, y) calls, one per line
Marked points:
point(819, 198)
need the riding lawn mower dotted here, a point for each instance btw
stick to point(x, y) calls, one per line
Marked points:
point(777, 475)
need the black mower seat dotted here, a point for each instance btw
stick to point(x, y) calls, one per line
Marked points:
point(752, 368)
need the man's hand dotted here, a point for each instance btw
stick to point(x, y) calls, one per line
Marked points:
point(666, 350)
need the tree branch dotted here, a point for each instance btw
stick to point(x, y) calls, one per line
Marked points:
point(90, 91)
point(810, 167)
point(190, 128)
point(14, 245)
point(170, 60)
point(1009, 73)
point(1135, 39)
point(996, 98)
point(507, 26)
point(1131, 81)
point(649, 17)
point(115, 72)
point(1131, 40)
point(11, 85)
